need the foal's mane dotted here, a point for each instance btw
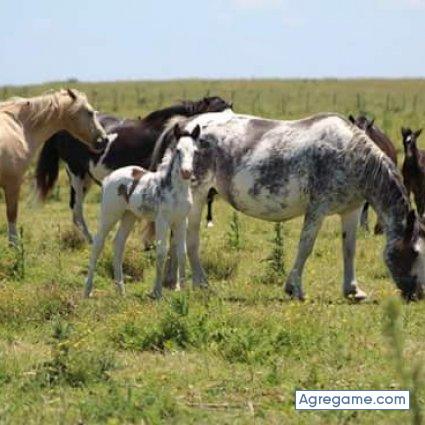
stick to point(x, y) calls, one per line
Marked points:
point(45, 105)
point(166, 142)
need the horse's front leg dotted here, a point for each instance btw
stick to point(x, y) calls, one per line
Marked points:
point(349, 229)
point(193, 229)
point(312, 223)
point(161, 227)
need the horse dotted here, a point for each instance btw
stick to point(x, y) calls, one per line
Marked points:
point(377, 136)
point(26, 124)
point(386, 145)
point(414, 168)
point(164, 196)
point(317, 166)
point(133, 146)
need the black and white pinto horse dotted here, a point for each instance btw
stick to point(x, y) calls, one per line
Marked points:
point(133, 145)
point(318, 166)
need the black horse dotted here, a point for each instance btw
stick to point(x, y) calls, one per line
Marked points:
point(133, 145)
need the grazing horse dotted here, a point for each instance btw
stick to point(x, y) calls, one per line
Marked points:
point(386, 145)
point(25, 124)
point(164, 196)
point(414, 168)
point(377, 136)
point(133, 146)
point(317, 166)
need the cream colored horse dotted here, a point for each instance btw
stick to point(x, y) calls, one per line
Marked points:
point(25, 124)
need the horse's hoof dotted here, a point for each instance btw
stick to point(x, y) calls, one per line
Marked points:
point(154, 296)
point(356, 294)
point(87, 294)
point(120, 289)
point(210, 224)
point(294, 293)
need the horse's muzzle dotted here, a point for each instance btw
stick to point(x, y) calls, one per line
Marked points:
point(186, 174)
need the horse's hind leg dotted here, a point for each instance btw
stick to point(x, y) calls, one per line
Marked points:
point(312, 223)
point(349, 229)
point(127, 223)
point(210, 200)
point(364, 217)
point(79, 189)
point(11, 192)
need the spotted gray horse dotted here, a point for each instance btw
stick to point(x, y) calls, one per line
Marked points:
point(318, 166)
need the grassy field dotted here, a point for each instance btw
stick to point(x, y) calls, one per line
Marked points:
point(235, 354)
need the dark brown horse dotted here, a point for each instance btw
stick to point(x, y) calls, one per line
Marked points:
point(133, 146)
point(385, 144)
point(414, 168)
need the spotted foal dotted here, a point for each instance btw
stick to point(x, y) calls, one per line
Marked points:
point(163, 196)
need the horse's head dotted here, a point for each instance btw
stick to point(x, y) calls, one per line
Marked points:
point(362, 122)
point(405, 258)
point(215, 104)
point(80, 119)
point(409, 139)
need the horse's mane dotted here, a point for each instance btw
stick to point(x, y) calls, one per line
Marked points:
point(45, 105)
point(379, 174)
point(187, 108)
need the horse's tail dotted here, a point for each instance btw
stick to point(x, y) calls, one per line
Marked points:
point(47, 169)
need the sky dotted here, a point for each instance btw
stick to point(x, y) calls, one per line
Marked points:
point(92, 40)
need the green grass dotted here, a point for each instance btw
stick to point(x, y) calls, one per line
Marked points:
point(235, 354)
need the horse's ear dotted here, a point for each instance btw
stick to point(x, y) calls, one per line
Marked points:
point(410, 232)
point(351, 118)
point(417, 133)
point(196, 132)
point(177, 132)
point(72, 94)
point(370, 123)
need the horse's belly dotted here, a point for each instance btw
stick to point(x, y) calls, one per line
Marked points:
point(277, 201)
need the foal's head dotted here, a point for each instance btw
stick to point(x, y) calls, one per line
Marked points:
point(405, 258)
point(80, 119)
point(186, 146)
point(409, 140)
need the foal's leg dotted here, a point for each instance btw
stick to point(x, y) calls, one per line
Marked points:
point(11, 192)
point(171, 265)
point(179, 238)
point(79, 189)
point(127, 223)
point(108, 220)
point(312, 223)
point(161, 227)
point(349, 229)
